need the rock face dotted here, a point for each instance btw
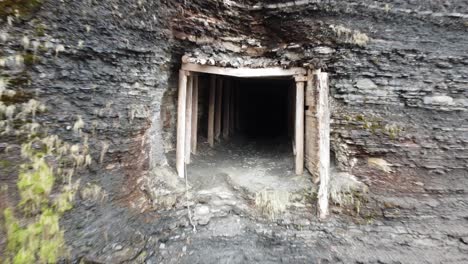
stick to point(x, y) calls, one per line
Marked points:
point(398, 78)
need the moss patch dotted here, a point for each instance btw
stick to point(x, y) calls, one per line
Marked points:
point(30, 58)
point(20, 96)
point(5, 163)
point(21, 80)
point(23, 8)
point(40, 30)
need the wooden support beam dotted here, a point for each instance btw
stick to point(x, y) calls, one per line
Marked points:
point(299, 127)
point(188, 119)
point(300, 78)
point(227, 108)
point(181, 105)
point(323, 118)
point(218, 110)
point(211, 110)
point(244, 72)
point(194, 114)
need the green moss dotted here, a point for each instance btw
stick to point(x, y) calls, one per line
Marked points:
point(375, 126)
point(40, 30)
point(393, 132)
point(42, 48)
point(5, 163)
point(38, 242)
point(359, 118)
point(30, 58)
point(19, 81)
point(41, 240)
point(23, 8)
point(311, 197)
point(33, 234)
point(369, 217)
point(21, 96)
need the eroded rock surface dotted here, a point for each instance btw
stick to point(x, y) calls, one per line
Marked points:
point(398, 75)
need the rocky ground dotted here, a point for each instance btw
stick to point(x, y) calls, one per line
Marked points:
point(227, 224)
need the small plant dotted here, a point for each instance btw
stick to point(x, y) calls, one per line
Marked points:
point(346, 191)
point(36, 237)
point(19, 8)
point(40, 30)
point(44, 184)
point(375, 125)
point(105, 148)
point(387, 8)
point(93, 192)
point(272, 202)
point(78, 125)
point(359, 118)
point(350, 36)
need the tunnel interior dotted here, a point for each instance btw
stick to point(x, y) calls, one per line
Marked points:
point(234, 118)
point(263, 108)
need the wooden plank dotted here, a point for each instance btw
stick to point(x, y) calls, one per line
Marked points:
point(300, 78)
point(181, 105)
point(211, 110)
point(188, 119)
point(194, 114)
point(311, 152)
point(226, 108)
point(299, 127)
point(218, 106)
point(243, 71)
point(323, 116)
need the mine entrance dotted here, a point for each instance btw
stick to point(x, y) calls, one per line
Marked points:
point(260, 104)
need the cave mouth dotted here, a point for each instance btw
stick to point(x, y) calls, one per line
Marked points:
point(259, 104)
point(253, 129)
point(262, 105)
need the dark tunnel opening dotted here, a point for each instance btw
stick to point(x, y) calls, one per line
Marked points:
point(263, 108)
point(261, 112)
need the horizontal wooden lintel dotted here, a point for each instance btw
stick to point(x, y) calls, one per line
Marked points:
point(244, 72)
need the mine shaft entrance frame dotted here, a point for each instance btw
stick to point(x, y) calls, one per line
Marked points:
point(315, 83)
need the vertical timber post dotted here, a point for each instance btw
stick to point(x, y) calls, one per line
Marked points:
point(219, 109)
point(188, 118)
point(194, 114)
point(227, 108)
point(323, 117)
point(181, 106)
point(299, 124)
point(211, 110)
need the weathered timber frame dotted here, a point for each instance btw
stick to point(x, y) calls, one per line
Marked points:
point(309, 84)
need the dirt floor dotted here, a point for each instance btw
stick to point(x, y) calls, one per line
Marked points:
point(251, 166)
point(247, 206)
point(390, 228)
